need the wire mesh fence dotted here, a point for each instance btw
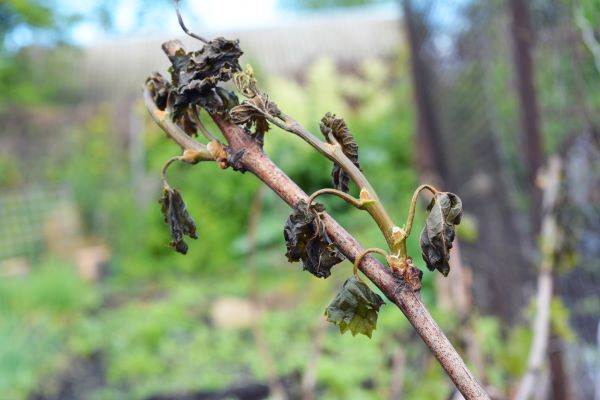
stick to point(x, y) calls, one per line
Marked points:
point(36, 219)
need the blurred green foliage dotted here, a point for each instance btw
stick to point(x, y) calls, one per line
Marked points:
point(37, 312)
point(32, 13)
point(24, 78)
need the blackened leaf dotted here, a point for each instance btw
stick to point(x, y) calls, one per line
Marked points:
point(228, 98)
point(195, 75)
point(330, 125)
point(188, 121)
point(161, 89)
point(438, 234)
point(176, 215)
point(355, 308)
point(306, 239)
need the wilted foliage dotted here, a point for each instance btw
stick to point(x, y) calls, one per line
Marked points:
point(355, 308)
point(336, 127)
point(195, 75)
point(445, 211)
point(254, 110)
point(251, 112)
point(176, 215)
point(307, 240)
point(161, 88)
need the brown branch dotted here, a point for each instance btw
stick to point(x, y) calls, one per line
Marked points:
point(254, 160)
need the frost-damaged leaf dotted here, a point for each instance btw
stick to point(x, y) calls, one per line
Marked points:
point(245, 82)
point(438, 234)
point(188, 121)
point(330, 125)
point(306, 239)
point(355, 308)
point(176, 215)
point(251, 112)
point(160, 88)
point(195, 75)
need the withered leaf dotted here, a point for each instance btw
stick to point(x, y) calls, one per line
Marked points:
point(195, 75)
point(330, 125)
point(445, 211)
point(176, 215)
point(355, 308)
point(188, 121)
point(251, 112)
point(245, 82)
point(161, 89)
point(306, 239)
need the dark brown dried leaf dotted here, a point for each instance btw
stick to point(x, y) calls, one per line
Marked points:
point(336, 127)
point(179, 221)
point(196, 74)
point(160, 88)
point(251, 113)
point(306, 239)
point(188, 121)
point(445, 211)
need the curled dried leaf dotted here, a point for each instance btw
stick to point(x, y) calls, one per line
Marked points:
point(195, 75)
point(306, 239)
point(445, 211)
point(245, 82)
point(252, 113)
point(355, 308)
point(160, 88)
point(331, 126)
point(179, 221)
point(189, 121)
